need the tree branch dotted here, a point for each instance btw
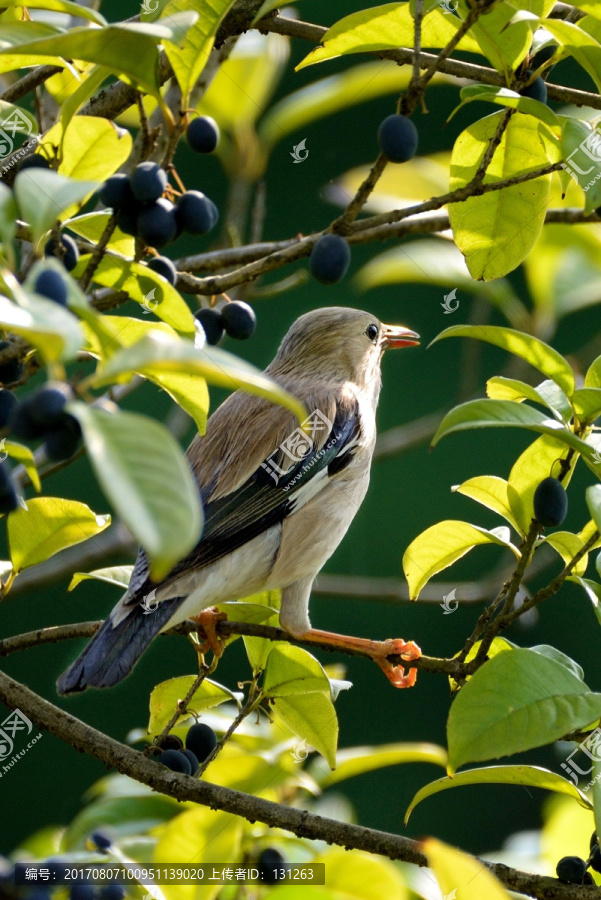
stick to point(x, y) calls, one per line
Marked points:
point(304, 824)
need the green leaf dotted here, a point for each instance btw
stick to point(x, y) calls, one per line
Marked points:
point(593, 501)
point(128, 50)
point(515, 702)
point(557, 656)
point(357, 760)
point(578, 141)
point(92, 148)
point(90, 83)
point(592, 379)
point(292, 670)
point(531, 776)
point(439, 546)
point(300, 693)
point(63, 6)
point(505, 47)
point(165, 696)
point(118, 576)
point(189, 60)
point(8, 216)
point(23, 455)
point(547, 393)
point(499, 645)
point(258, 649)
point(147, 479)
point(47, 526)
point(489, 229)
point(534, 351)
point(158, 353)
point(386, 27)
point(492, 492)
point(568, 545)
point(455, 872)
point(505, 414)
point(142, 283)
point(537, 461)
point(577, 43)
point(511, 99)
point(91, 226)
point(53, 330)
point(124, 816)
point(587, 403)
point(43, 195)
point(350, 876)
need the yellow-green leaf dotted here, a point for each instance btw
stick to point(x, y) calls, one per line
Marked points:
point(43, 196)
point(461, 875)
point(497, 230)
point(357, 760)
point(492, 492)
point(165, 696)
point(441, 545)
point(53, 330)
point(92, 147)
point(22, 454)
point(118, 576)
point(47, 526)
point(568, 545)
point(539, 460)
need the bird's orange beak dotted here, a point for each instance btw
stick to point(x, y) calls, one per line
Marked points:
point(399, 336)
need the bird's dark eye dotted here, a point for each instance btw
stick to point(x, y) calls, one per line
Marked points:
point(372, 332)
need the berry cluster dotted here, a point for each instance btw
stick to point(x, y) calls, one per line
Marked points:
point(200, 743)
point(550, 503)
point(573, 869)
point(234, 318)
point(143, 211)
point(66, 251)
point(42, 416)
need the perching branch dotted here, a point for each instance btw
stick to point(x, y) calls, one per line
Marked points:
point(304, 824)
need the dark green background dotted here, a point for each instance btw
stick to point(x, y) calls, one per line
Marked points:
point(407, 494)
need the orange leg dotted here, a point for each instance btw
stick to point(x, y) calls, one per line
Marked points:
point(208, 619)
point(378, 650)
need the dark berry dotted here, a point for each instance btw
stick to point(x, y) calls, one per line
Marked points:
point(269, 863)
point(201, 740)
point(172, 742)
point(22, 424)
point(571, 869)
point(116, 192)
point(8, 495)
point(148, 181)
point(71, 257)
point(536, 91)
point(12, 370)
point(550, 502)
point(212, 323)
point(176, 761)
point(203, 134)
point(595, 858)
point(62, 441)
point(164, 267)
point(195, 213)
point(52, 285)
point(46, 406)
point(83, 892)
point(127, 219)
point(101, 840)
point(192, 759)
point(397, 137)
point(35, 161)
point(112, 892)
point(8, 401)
point(588, 878)
point(156, 223)
point(239, 319)
point(330, 258)
point(594, 840)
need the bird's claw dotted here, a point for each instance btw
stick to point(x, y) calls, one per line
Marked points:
point(208, 620)
point(409, 651)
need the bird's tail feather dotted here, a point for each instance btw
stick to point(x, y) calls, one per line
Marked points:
point(115, 649)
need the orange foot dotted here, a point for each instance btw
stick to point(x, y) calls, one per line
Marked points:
point(378, 650)
point(208, 620)
point(396, 674)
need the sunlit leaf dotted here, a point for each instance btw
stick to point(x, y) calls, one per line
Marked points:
point(48, 525)
point(118, 576)
point(355, 761)
point(165, 696)
point(460, 875)
point(492, 492)
point(42, 196)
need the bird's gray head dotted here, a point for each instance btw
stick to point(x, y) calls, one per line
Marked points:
point(338, 344)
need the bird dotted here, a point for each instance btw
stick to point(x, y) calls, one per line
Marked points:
point(278, 498)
